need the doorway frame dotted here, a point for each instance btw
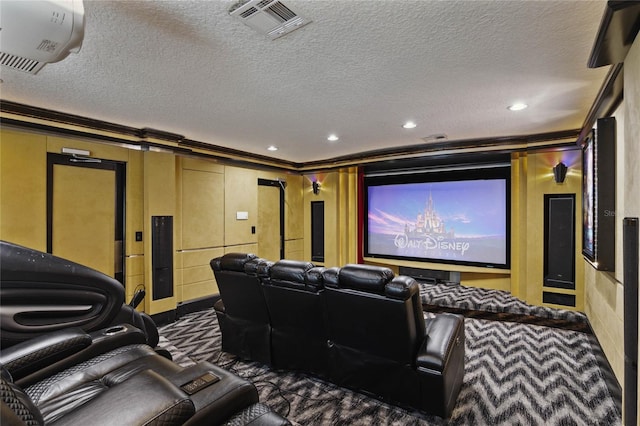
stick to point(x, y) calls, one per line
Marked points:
point(280, 184)
point(119, 168)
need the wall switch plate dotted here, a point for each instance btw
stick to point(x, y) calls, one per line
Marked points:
point(242, 215)
point(138, 235)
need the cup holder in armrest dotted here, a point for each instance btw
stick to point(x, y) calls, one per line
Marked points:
point(114, 330)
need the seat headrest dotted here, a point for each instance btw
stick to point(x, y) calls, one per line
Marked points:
point(401, 287)
point(290, 270)
point(232, 261)
point(365, 277)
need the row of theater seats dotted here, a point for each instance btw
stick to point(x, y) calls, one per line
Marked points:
point(54, 374)
point(358, 326)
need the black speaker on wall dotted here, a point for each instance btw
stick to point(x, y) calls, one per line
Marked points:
point(162, 256)
point(630, 282)
point(317, 231)
point(559, 241)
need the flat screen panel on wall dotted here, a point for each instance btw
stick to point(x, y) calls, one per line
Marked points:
point(459, 217)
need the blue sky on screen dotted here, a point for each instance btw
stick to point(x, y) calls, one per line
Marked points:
point(474, 208)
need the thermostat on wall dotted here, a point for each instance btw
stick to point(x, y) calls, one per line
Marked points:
point(242, 215)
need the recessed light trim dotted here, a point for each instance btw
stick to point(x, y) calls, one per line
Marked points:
point(518, 106)
point(409, 125)
point(272, 148)
point(332, 138)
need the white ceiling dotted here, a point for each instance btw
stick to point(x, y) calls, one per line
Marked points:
point(359, 70)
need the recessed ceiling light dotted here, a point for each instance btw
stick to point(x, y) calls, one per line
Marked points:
point(409, 125)
point(518, 106)
point(272, 148)
point(333, 138)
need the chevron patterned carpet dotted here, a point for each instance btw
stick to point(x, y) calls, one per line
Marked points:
point(515, 374)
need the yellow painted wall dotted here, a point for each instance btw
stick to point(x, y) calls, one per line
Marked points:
point(539, 183)
point(23, 189)
point(338, 191)
point(202, 196)
point(604, 291)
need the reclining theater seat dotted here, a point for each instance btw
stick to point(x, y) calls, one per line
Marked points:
point(41, 293)
point(379, 341)
point(125, 385)
point(242, 311)
point(293, 291)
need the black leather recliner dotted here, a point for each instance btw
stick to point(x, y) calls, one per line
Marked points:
point(293, 291)
point(70, 377)
point(58, 367)
point(380, 342)
point(242, 310)
point(41, 293)
point(360, 326)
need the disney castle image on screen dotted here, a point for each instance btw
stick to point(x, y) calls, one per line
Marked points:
point(454, 221)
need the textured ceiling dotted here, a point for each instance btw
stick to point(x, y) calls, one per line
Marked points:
point(359, 70)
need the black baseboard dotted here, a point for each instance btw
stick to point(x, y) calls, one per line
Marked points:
point(164, 318)
point(185, 308)
point(196, 305)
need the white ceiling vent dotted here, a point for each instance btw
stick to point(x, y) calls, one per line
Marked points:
point(35, 33)
point(269, 17)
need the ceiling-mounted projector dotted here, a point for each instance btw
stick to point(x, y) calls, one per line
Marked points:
point(35, 33)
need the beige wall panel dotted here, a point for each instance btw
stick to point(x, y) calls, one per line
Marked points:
point(159, 200)
point(241, 194)
point(604, 291)
point(134, 265)
point(23, 189)
point(196, 274)
point(84, 216)
point(518, 285)
point(202, 165)
point(134, 202)
point(198, 290)
point(329, 193)
point(632, 142)
point(268, 222)
point(540, 182)
point(293, 202)
point(294, 249)
point(98, 150)
point(242, 248)
point(202, 209)
point(193, 258)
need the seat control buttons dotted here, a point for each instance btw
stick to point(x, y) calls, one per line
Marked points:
point(201, 382)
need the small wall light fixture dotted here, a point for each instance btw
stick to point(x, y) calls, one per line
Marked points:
point(316, 187)
point(559, 172)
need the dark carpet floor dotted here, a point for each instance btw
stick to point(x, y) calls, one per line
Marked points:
point(516, 372)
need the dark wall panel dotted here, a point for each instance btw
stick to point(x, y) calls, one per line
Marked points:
point(162, 256)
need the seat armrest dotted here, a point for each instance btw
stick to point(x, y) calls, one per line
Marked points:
point(219, 401)
point(101, 341)
point(441, 336)
point(34, 354)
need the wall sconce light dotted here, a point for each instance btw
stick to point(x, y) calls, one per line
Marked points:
point(559, 172)
point(316, 187)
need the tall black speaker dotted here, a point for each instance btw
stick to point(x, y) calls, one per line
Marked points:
point(559, 241)
point(162, 256)
point(317, 231)
point(630, 282)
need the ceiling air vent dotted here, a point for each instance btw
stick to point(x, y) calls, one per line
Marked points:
point(269, 17)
